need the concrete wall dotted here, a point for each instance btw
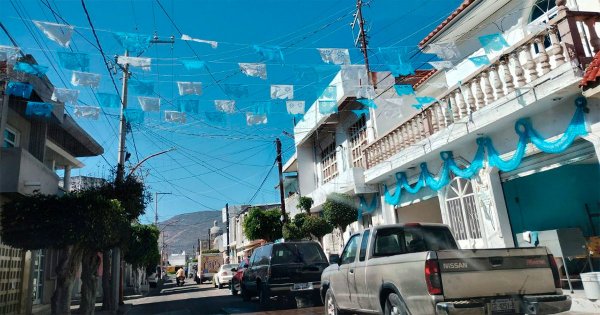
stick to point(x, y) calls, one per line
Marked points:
point(427, 211)
point(554, 199)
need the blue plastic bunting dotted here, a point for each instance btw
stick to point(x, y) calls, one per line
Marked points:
point(404, 89)
point(74, 60)
point(269, 53)
point(189, 106)
point(141, 87)
point(20, 89)
point(193, 64)
point(397, 60)
point(134, 115)
point(367, 102)
point(493, 43)
point(261, 107)
point(32, 69)
point(480, 61)
point(39, 109)
point(327, 107)
point(134, 43)
point(236, 90)
point(364, 208)
point(108, 100)
point(218, 118)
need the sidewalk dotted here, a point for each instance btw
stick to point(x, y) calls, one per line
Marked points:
point(581, 303)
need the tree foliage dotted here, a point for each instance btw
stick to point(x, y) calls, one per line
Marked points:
point(142, 248)
point(340, 210)
point(294, 229)
point(132, 194)
point(305, 203)
point(263, 224)
point(317, 226)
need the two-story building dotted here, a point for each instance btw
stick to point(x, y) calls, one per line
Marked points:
point(33, 150)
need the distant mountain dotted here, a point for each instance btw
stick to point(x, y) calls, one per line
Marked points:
point(183, 231)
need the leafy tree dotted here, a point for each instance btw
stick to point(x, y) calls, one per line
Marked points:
point(339, 210)
point(305, 203)
point(317, 227)
point(263, 224)
point(77, 224)
point(294, 229)
point(142, 250)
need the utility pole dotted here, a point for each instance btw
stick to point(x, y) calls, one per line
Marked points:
point(227, 230)
point(156, 205)
point(208, 238)
point(280, 169)
point(362, 38)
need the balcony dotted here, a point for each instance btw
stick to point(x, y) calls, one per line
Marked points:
point(506, 80)
point(349, 181)
point(24, 174)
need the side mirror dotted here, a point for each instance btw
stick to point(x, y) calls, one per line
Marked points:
point(334, 259)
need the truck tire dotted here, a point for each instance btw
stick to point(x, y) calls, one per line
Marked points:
point(395, 306)
point(245, 294)
point(234, 289)
point(264, 298)
point(219, 284)
point(331, 307)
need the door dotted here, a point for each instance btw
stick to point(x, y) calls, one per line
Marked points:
point(340, 280)
point(358, 283)
point(249, 280)
point(462, 214)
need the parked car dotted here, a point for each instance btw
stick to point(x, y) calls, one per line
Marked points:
point(236, 281)
point(418, 269)
point(153, 277)
point(284, 270)
point(223, 275)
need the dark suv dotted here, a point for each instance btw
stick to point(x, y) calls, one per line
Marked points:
point(284, 270)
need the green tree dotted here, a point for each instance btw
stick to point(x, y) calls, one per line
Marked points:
point(317, 227)
point(305, 203)
point(78, 224)
point(294, 229)
point(339, 210)
point(142, 249)
point(263, 224)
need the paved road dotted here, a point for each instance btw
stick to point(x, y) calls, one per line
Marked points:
point(194, 299)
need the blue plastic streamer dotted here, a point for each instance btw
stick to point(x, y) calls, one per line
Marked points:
point(192, 64)
point(404, 89)
point(367, 102)
point(20, 89)
point(108, 100)
point(442, 180)
point(327, 107)
point(261, 107)
point(393, 199)
point(493, 43)
point(134, 43)
point(236, 90)
point(189, 106)
point(269, 53)
point(480, 61)
point(506, 165)
point(74, 61)
point(32, 69)
point(216, 117)
point(134, 115)
point(364, 208)
point(141, 87)
point(473, 168)
point(397, 60)
point(39, 109)
point(401, 69)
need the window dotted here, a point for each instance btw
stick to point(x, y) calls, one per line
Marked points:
point(307, 253)
point(358, 141)
point(544, 10)
point(11, 138)
point(349, 253)
point(462, 210)
point(254, 258)
point(388, 242)
point(367, 220)
point(329, 163)
point(363, 245)
point(394, 241)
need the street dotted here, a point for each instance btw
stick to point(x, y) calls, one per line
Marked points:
point(205, 299)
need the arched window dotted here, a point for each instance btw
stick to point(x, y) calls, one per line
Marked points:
point(462, 213)
point(543, 10)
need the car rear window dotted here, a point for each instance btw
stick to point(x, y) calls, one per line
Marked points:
point(307, 253)
point(394, 241)
point(229, 267)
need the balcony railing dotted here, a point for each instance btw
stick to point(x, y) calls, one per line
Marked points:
point(496, 81)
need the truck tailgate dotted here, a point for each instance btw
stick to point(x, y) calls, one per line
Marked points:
point(495, 272)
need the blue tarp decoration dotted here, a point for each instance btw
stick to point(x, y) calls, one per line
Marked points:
point(493, 43)
point(39, 109)
point(261, 107)
point(189, 106)
point(20, 89)
point(134, 43)
point(193, 64)
point(141, 87)
point(305, 73)
point(397, 60)
point(109, 100)
point(367, 208)
point(74, 60)
point(9, 54)
point(423, 101)
point(480, 61)
point(269, 53)
point(32, 69)
point(236, 90)
point(134, 115)
point(526, 133)
point(367, 102)
point(404, 89)
point(329, 93)
point(327, 107)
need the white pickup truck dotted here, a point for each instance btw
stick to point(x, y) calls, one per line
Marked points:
point(418, 269)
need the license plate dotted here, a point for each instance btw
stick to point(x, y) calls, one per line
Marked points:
point(302, 286)
point(503, 306)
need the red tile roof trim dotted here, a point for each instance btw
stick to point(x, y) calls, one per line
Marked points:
point(592, 73)
point(459, 10)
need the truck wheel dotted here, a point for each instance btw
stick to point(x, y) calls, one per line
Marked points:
point(331, 307)
point(264, 297)
point(395, 306)
point(245, 294)
point(219, 284)
point(234, 288)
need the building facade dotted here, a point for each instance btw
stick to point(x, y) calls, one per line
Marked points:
point(33, 151)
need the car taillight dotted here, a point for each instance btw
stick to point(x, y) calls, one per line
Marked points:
point(433, 277)
point(554, 267)
point(225, 273)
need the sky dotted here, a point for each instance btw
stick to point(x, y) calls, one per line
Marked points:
point(213, 163)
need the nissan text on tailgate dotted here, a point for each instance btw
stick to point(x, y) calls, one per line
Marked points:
point(418, 269)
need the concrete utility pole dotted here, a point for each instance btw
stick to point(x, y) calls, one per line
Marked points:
point(281, 190)
point(227, 229)
point(362, 38)
point(156, 205)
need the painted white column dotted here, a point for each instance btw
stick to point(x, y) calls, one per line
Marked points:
point(491, 204)
point(67, 178)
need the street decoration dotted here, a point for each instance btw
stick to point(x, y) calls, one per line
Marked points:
point(141, 87)
point(175, 116)
point(65, 95)
point(40, 109)
point(192, 64)
point(189, 88)
point(226, 106)
point(85, 79)
point(336, 56)
point(493, 43)
point(282, 92)
point(88, 112)
point(31, 69)
point(480, 61)
point(188, 106)
point(140, 62)
point(404, 89)
point(269, 53)
point(367, 102)
point(212, 43)
point(20, 89)
point(133, 115)
point(74, 60)
point(258, 70)
point(295, 107)
point(108, 100)
point(58, 33)
point(149, 104)
point(367, 208)
point(256, 119)
point(133, 43)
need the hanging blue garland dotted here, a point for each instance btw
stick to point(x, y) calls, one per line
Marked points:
point(526, 132)
point(364, 208)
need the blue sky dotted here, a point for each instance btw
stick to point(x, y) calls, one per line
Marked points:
point(213, 163)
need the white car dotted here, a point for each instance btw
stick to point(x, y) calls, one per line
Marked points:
point(224, 275)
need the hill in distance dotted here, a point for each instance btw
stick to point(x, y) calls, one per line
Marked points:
point(183, 231)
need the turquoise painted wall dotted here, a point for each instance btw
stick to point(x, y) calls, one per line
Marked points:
point(554, 199)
